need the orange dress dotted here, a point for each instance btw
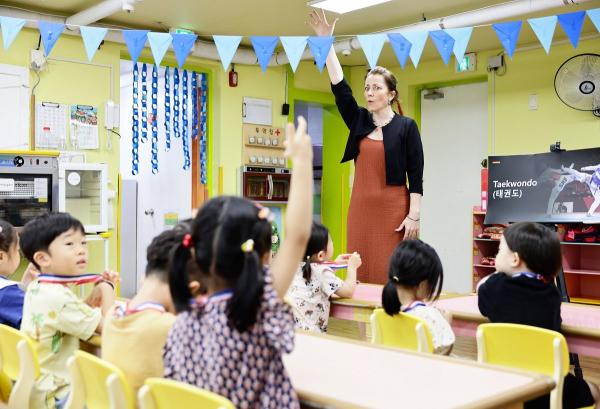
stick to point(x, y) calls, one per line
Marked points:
point(376, 210)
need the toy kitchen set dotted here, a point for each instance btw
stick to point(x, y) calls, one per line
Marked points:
point(33, 183)
point(265, 177)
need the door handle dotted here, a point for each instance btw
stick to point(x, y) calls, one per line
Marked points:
point(270, 191)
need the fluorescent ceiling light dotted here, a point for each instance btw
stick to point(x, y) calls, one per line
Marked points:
point(344, 6)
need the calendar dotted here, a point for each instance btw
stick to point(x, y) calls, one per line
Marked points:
point(84, 127)
point(51, 125)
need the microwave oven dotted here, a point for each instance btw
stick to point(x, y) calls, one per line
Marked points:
point(266, 184)
point(28, 185)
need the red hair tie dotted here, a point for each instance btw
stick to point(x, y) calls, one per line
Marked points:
point(187, 241)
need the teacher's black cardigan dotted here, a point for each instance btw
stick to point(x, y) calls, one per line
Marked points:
point(401, 140)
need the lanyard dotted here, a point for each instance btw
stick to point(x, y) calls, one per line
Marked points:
point(167, 110)
point(154, 160)
point(144, 103)
point(64, 280)
point(414, 305)
point(186, 148)
point(124, 310)
point(529, 275)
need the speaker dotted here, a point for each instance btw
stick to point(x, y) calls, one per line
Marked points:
point(285, 109)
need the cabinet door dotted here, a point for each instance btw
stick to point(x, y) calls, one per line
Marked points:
point(14, 107)
point(256, 186)
point(281, 187)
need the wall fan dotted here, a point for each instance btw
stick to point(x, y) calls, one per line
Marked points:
point(577, 83)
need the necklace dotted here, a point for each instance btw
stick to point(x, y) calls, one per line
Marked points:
point(383, 124)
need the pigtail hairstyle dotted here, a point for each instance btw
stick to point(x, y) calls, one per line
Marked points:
point(319, 238)
point(411, 263)
point(8, 235)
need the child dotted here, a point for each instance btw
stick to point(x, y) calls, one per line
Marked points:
point(315, 282)
point(232, 342)
point(11, 292)
point(141, 327)
point(52, 314)
point(415, 276)
point(522, 291)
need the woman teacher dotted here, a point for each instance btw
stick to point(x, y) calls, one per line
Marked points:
point(386, 149)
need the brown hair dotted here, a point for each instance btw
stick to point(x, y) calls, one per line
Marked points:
point(391, 83)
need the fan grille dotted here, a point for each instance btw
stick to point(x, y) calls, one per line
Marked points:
point(577, 82)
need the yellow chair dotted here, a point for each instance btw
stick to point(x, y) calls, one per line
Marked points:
point(88, 376)
point(160, 393)
point(538, 350)
point(401, 331)
point(19, 363)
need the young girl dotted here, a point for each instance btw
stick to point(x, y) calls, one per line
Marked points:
point(11, 292)
point(315, 281)
point(232, 342)
point(415, 276)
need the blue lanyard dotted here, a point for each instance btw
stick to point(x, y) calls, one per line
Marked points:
point(202, 130)
point(144, 103)
point(135, 129)
point(154, 160)
point(167, 110)
point(186, 143)
point(414, 305)
point(529, 275)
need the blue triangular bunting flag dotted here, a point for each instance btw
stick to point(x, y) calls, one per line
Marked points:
point(92, 37)
point(10, 28)
point(135, 40)
point(182, 45)
point(508, 34)
point(159, 44)
point(294, 48)
point(264, 47)
point(401, 47)
point(444, 44)
point(594, 15)
point(572, 24)
point(226, 47)
point(319, 47)
point(372, 45)
point(543, 28)
point(461, 38)
point(417, 40)
point(50, 33)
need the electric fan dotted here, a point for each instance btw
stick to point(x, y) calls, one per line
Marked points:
point(577, 83)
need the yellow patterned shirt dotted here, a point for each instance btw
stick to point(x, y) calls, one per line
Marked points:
point(57, 319)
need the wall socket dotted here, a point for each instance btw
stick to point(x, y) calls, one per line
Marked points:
point(38, 60)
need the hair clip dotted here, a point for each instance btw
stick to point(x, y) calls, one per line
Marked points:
point(264, 213)
point(187, 241)
point(395, 279)
point(248, 246)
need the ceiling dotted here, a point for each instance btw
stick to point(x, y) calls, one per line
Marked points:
point(287, 17)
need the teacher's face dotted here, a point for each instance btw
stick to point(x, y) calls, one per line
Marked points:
point(377, 94)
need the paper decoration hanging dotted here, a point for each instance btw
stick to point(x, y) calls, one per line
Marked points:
point(194, 105)
point(444, 44)
point(572, 24)
point(372, 44)
point(319, 47)
point(294, 48)
point(226, 47)
point(144, 103)
point(50, 33)
point(508, 34)
point(417, 40)
point(401, 47)
point(203, 108)
point(543, 28)
point(461, 38)
point(135, 129)
point(182, 45)
point(176, 103)
point(264, 47)
point(159, 44)
point(594, 15)
point(135, 41)
point(167, 110)
point(185, 140)
point(154, 148)
point(10, 29)
point(92, 38)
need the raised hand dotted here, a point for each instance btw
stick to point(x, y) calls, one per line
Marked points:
point(298, 146)
point(318, 21)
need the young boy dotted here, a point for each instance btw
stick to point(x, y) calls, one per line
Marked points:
point(522, 291)
point(141, 327)
point(52, 313)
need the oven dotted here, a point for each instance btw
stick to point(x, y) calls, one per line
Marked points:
point(28, 185)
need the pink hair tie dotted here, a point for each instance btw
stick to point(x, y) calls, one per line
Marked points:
point(187, 241)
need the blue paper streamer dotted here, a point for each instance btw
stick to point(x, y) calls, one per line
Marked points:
point(167, 110)
point(144, 103)
point(184, 111)
point(176, 103)
point(203, 121)
point(195, 105)
point(135, 129)
point(154, 160)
